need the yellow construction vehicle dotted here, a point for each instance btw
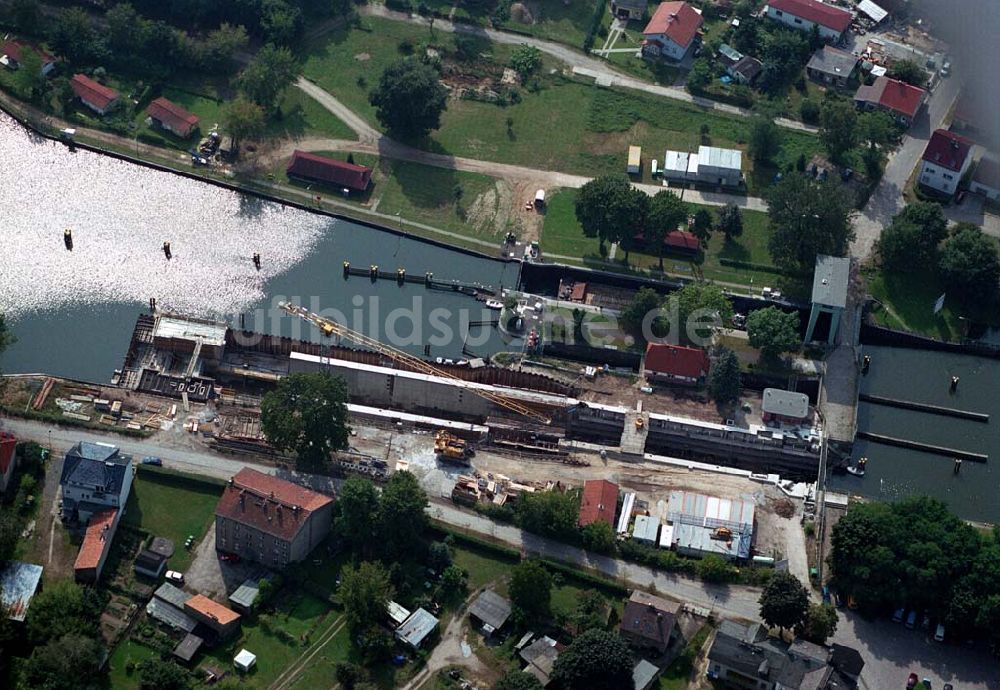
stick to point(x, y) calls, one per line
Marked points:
point(452, 448)
point(330, 328)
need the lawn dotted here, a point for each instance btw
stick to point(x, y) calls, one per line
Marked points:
point(557, 20)
point(128, 650)
point(172, 506)
point(906, 302)
point(563, 125)
point(482, 565)
point(562, 235)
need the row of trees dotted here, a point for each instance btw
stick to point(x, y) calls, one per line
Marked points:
point(784, 604)
point(917, 554)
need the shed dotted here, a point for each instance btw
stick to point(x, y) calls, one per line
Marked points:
point(417, 628)
point(643, 675)
point(646, 530)
point(245, 595)
point(245, 660)
point(667, 536)
point(623, 519)
point(872, 11)
point(170, 615)
point(188, 647)
point(782, 404)
point(397, 613)
point(222, 620)
point(18, 583)
point(634, 160)
point(310, 167)
point(491, 609)
point(172, 117)
point(150, 564)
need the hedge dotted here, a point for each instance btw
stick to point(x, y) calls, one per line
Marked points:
point(766, 268)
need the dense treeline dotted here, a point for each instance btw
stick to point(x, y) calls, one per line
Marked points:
point(917, 554)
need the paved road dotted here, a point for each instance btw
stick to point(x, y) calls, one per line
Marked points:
point(372, 141)
point(580, 63)
point(890, 651)
point(887, 199)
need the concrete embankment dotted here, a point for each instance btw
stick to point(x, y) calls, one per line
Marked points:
point(923, 407)
point(925, 447)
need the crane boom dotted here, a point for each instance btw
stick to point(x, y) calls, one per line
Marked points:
point(329, 328)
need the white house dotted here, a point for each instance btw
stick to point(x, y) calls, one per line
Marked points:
point(946, 159)
point(805, 14)
point(986, 178)
point(711, 165)
point(672, 31)
point(95, 477)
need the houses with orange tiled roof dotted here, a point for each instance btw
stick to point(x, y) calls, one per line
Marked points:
point(220, 619)
point(269, 520)
point(96, 546)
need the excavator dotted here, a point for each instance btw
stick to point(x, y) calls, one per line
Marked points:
point(451, 448)
point(330, 328)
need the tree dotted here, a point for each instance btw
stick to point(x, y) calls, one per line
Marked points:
point(403, 516)
point(376, 644)
point(243, 119)
point(785, 51)
point(525, 60)
point(876, 128)
point(307, 413)
point(969, 264)
point(595, 660)
point(348, 675)
point(913, 238)
point(731, 221)
point(701, 308)
point(63, 608)
point(591, 610)
point(666, 213)
point(807, 219)
point(724, 377)
point(357, 515)
point(531, 591)
point(222, 45)
point(550, 513)
point(69, 662)
point(602, 207)
point(702, 226)
point(27, 15)
point(28, 79)
point(700, 76)
point(409, 99)
point(517, 680)
point(773, 331)
point(438, 556)
point(765, 139)
point(642, 306)
point(838, 127)
point(908, 71)
point(364, 592)
point(73, 37)
point(784, 601)
point(158, 674)
point(599, 536)
point(714, 568)
point(267, 76)
point(819, 624)
point(10, 534)
point(453, 581)
point(280, 21)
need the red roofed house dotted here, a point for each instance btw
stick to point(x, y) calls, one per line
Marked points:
point(220, 619)
point(805, 14)
point(309, 166)
point(676, 364)
point(96, 546)
point(672, 31)
point(676, 242)
point(12, 53)
point(946, 159)
point(8, 444)
point(901, 100)
point(97, 97)
point(599, 502)
point(269, 520)
point(172, 117)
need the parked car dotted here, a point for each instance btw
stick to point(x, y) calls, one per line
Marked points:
point(948, 686)
point(925, 624)
point(230, 557)
point(939, 633)
point(911, 620)
point(174, 577)
point(152, 460)
point(911, 681)
point(898, 616)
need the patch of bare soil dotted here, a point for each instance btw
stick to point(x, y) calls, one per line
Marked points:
point(484, 209)
point(363, 57)
point(781, 507)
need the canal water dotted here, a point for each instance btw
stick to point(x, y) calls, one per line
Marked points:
point(73, 311)
point(924, 377)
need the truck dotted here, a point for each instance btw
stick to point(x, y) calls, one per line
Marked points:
point(451, 448)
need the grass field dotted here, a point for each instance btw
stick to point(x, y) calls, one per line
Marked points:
point(562, 235)
point(128, 651)
point(167, 507)
point(907, 303)
point(556, 20)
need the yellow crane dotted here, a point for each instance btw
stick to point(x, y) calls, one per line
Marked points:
point(330, 328)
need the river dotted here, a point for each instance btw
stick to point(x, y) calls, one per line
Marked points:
point(923, 376)
point(73, 311)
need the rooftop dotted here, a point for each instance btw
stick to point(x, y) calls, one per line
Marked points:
point(172, 595)
point(100, 532)
point(897, 96)
point(330, 170)
point(987, 172)
point(676, 360)
point(650, 617)
point(272, 505)
point(599, 502)
point(830, 281)
point(873, 11)
point(8, 444)
point(95, 465)
point(209, 332)
point(833, 18)
point(643, 675)
point(18, 583)
point(172, 114)
point(204, 606)
point(948, 150)
point(170, 615)
point(89, 90)
point(491, 608)
point(14, 49)
point(417, 627)
point(188, 647)
point(830, 60)
point(714, 157)
point(246, 594)
point(647, 528)
point(785, 403)
point(678, 21)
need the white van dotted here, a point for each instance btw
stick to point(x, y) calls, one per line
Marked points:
point(174, 577)
point(939, 633)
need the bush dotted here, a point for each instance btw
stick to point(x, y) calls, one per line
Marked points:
point(809, 111)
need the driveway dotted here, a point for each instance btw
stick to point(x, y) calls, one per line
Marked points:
point(887, 199)
point(972, 210)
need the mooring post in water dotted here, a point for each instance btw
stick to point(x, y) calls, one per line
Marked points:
point(152, 304)
point(373, 272)
point(866, 364)
point(400, 275)
point(256, 260)
point(243, 322)
point(954, 384)
point(427, 350)
point(166, 251)
point(958, 465)
point(68, 239)
point(347, 268)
